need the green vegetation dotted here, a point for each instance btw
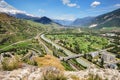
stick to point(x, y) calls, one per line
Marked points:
point(94, 77)
point(23, 47)
point(67, 66)
point(74, 77)
point(79, 43)
point(13, 30)
point(11, 63)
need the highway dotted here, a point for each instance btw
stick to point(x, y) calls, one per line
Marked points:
point(82, 61)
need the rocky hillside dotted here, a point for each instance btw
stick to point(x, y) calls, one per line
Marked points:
point(34, 73)
point(13, 29)
point(82, 21)
point(111, 19)
point(48, 68)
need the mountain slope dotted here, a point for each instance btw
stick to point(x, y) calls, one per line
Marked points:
point(12, 29)
point(82, 21)
point(111, 19)
point(44, 20)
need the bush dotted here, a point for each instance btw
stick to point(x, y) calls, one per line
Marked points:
point(94, 77)
point(49, 60)
point(53, 73)
point(11, 63)
point(74, 77)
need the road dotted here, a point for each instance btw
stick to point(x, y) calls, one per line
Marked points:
point(48, 51)
point(15, 43)
point(82, 61)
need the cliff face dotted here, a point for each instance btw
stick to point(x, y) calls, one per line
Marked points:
point(34, 73)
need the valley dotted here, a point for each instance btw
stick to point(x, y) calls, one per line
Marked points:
point(82, 46)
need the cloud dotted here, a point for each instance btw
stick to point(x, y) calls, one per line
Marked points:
point(117, 5)
point(95, 4)
point(66, 2)
point(41, 11)
point(69, 4)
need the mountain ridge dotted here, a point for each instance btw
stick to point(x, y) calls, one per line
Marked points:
point(110, 19)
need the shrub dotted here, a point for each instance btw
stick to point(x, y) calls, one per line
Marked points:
point(74, 77)
point(49, 60)
point(94, 77)
point(11, 63)
point(52, 73)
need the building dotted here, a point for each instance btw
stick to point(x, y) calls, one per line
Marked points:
point(94, 54)
point(107, 57)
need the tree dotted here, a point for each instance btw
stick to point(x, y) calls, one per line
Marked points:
point(102, 62)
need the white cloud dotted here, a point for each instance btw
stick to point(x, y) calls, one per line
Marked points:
point(117, 5)
point(66, 2)
point(69, 4)
point(41, 11)
point(95, 4)
point(72, 4)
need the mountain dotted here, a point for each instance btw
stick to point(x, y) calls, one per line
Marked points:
point(44, 20)
point(10, 10)
point(111, 19)
point(63, 22)
point(82, 21)
point(14, 30)
point(6, 8)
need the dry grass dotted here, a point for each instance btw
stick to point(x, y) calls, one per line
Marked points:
point(74, 77)
point(11, 63)
point(49, 60)
point(52, 73)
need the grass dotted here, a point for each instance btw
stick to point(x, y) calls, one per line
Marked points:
point(23, 47)
point(67, 66)
point(16, 46)
point(79, 43)
point(94, 77)
point(53, 76)
point(49, 60)
point(51, 73)
point(11, 63)
point(74, 77)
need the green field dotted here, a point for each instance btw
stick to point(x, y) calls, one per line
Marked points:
point(79, 43)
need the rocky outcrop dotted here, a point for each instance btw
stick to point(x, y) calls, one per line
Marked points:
point(34, 73)
point(109, 74)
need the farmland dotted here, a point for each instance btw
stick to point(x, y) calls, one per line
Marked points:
point(80, 42)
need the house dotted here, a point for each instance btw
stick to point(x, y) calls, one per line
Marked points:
point(111, 66)
point(111, 34)
point(107, 57)
point(94, 54)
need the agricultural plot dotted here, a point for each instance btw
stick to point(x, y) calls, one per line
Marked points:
point(80, 43)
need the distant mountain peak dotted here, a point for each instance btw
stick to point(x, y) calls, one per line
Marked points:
point(6, 8)
point(44, 20)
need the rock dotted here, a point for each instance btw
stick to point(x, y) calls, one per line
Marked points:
point(29, 72)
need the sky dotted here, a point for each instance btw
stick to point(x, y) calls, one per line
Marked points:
point(65, 9)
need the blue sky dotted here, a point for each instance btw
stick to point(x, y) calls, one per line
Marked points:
point(65, 9)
